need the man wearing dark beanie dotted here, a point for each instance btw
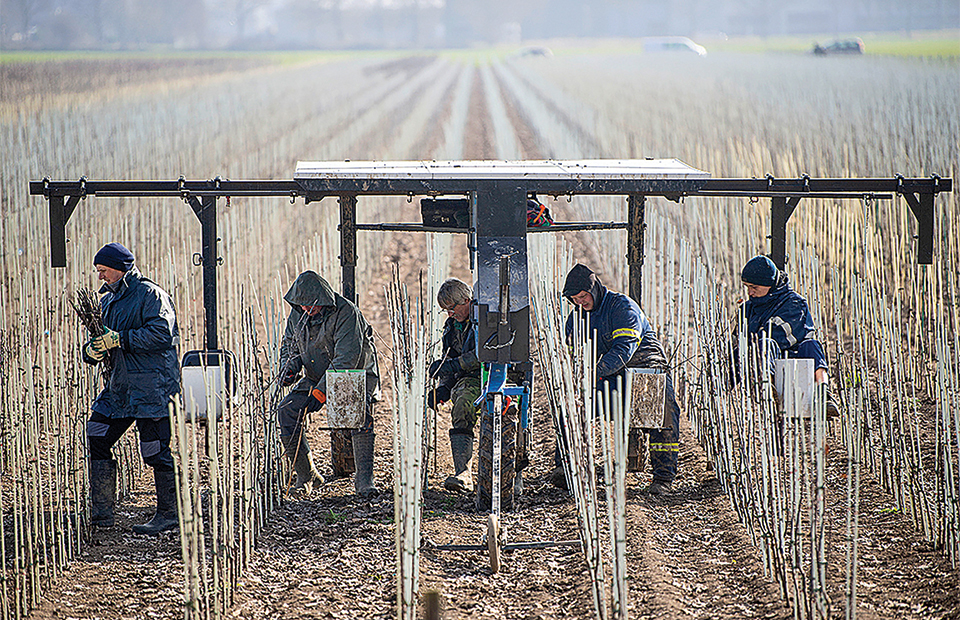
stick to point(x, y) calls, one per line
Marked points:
point(140, 338)
point(625, 339)
point(780, 317)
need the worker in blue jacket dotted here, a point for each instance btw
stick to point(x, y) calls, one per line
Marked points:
point(625, 339)
point(780, 317)
point(143, 378)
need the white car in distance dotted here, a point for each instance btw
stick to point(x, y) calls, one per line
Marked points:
point(672, 44)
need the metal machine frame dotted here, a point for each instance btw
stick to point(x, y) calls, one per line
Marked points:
point(497, 192)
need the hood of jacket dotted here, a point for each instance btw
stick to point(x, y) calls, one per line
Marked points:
point(310, 289)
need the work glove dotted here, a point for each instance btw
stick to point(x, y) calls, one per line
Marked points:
point(109, 340)
point(440, 368)
point(93, 351)
point(290, 372)
point(438, 396)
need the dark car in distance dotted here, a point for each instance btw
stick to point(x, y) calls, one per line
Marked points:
point(840, 46)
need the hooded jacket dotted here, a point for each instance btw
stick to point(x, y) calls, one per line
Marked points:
point(336, 338)
point(782, 312)
point(623, 333)
point(146, 369)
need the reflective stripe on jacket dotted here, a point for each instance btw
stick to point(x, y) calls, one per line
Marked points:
point(784, 313)
point(623, 333)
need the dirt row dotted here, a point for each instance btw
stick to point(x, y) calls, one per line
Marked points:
point(332, 555)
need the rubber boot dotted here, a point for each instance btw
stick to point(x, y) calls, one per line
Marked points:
point(558, 477)
point(636, 451)
point(308, 478)
point(103, 492)
point(461, 446)
point(165, 519)
point(363, 458)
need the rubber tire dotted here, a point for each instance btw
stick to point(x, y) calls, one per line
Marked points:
point(508, 460)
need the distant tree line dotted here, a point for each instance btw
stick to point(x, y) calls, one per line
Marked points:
point(350, 24)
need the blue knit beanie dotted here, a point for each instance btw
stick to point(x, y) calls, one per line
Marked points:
point(760, 270)
point(115, 256)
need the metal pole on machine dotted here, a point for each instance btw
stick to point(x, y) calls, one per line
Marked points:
point(503, 314)
point(205, 208)
point(636, 227)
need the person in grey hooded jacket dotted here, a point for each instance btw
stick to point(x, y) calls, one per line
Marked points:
point(324, 331)
point(140, 339)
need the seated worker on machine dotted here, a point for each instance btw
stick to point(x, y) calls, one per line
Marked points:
point(780, 318)
point(624, 339)
point(458, 373)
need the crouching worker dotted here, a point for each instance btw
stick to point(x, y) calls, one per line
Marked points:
point(324, 331)
point(142, 375)
point(458, 376)
point(624, 338)
point(780, 319)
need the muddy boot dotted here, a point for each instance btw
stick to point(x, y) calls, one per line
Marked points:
point(558, 478)
point(308, 479)
point(833, 409)
point(103, 492)
point(660, 487)
point(165, 519)
point(363, 459)
point(461, 446)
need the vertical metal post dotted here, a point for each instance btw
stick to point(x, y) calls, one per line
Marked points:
point(922, 207)
point(636, 227)
point(208, 244)
point(348, 246)
point(58, 235)
point(781, 208)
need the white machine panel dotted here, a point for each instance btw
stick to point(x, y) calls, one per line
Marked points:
point(543, 170)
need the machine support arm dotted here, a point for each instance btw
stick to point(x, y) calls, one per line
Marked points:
point(922, 207)
point(781, 208)
point(348, 246)
point(206, 212)
point(60, 213)
point(636, 227)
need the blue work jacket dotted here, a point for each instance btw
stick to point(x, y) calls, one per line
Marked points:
point(623, 333)
point(145, 376)
point(783, 313)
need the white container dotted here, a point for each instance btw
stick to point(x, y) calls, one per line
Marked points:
point(793, 379)
point(346, 398)
point(204, 377)
point(648, 394)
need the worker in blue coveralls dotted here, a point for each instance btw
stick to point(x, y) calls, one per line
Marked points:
point(780, 318)
point(140, 340)
point(624, 338)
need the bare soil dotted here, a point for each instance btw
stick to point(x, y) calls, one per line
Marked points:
point(331, 555)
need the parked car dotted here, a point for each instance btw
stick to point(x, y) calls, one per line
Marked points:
point(672, 44)
point(840, 46)
point(534, 50)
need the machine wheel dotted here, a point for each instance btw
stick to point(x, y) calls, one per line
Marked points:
point(493, 542)
point(508, 459)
